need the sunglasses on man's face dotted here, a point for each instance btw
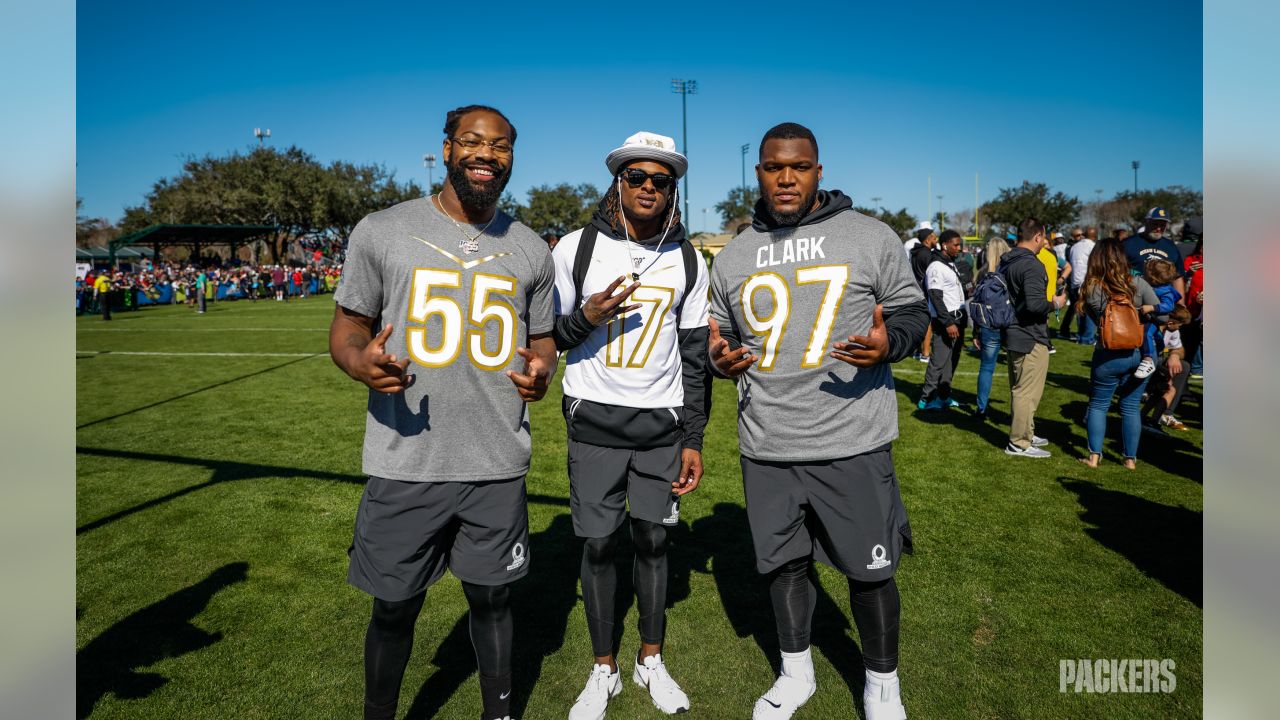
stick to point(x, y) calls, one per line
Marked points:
point(636, 177)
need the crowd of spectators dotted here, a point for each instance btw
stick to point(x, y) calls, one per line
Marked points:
point(1059, 287)
point(103, 289)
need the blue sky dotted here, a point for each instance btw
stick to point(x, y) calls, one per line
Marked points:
point(1066, 94)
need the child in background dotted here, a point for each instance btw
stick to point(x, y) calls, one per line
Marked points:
point(1160, 275)
point(1160, 390)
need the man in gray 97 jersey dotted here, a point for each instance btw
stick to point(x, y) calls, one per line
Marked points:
point(816, 418)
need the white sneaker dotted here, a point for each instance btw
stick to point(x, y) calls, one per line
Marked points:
point(1030, 451)
point(602, 686)
point(1037, 441)
point(1145, 368)
point(783, 699)
point(663, 690)
point(883, 701)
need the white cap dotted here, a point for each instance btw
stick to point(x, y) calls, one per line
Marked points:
point(647, 146)
point(923, 225)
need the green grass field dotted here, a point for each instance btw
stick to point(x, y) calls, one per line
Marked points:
point(218, 476)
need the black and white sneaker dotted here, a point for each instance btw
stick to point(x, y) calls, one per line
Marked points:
point(1030, 451)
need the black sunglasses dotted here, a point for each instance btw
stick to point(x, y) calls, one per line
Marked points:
point(635, 177)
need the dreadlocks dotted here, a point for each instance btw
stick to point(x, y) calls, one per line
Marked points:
point(612, 206)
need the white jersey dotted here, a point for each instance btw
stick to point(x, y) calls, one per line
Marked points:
point(634, 360)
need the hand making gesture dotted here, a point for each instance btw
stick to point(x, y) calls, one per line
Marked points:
point(865, 350)
point(728, 363)
point(604, 305)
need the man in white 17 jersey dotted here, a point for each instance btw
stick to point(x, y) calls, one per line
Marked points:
point(635, 399)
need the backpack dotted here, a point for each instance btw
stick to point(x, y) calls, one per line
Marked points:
point(587, 245)
point(990, 305)
point(1120, 328)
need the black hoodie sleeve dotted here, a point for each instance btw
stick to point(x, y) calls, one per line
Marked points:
point(906, 326)
point(935, 296)
point(571, 330)
point(697, 385)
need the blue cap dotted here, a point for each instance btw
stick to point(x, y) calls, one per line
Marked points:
point(1158, 213)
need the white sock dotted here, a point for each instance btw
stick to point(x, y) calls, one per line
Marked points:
point(880, 685)
point(798, 665)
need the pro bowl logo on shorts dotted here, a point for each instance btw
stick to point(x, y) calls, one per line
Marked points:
point(879, 558)
point(517, 557)
point(674, 517)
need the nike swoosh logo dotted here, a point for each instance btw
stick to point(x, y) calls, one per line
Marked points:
point(772, 703)
point(466, 265)
point(504, 695)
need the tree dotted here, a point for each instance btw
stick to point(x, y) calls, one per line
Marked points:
point(288, 188)
point(559, 209)
point(737, 207)
point(901, 221)
point(1180, 202)
point(1013, 205)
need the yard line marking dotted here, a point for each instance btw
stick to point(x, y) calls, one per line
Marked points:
point(205, 329)
point(196, 354)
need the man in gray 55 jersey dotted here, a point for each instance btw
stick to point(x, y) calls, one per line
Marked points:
point(816, 417)
point(457, 288)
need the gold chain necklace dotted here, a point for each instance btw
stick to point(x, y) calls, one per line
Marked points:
point(471, 244)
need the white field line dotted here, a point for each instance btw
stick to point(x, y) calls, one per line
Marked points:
point(185, 330)
point(196, 354)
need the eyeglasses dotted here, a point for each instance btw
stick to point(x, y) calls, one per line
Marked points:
point(499, 147)
point(635, 177)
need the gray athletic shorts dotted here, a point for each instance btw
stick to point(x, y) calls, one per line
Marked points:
point(407, 533)
point(846, 512)
point(604, 481)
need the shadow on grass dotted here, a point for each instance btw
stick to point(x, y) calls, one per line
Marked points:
point(1162, 541)
point(720, 544)
point(109, 663)
point(223, 471)
point(541, 603)
point(226, 471)
point(189, 393)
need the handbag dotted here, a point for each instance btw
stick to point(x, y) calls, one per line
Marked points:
point(1120, 327)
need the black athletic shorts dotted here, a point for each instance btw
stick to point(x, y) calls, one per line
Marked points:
point(604, 481)
point(407, 533)
point(846, 512)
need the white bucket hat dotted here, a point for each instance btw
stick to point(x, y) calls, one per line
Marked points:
point(647, 146)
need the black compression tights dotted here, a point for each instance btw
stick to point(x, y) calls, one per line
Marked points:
point(876, 612)
point(389, 640)
point(794, 597)
point(649, 575)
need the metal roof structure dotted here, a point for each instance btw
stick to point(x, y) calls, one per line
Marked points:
point(193, 236)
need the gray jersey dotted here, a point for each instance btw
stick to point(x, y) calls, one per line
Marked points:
point(788, 295)
point(459, 318)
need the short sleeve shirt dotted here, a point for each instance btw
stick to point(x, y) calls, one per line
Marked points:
point(459, 318)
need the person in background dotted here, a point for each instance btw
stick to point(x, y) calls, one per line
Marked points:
point(1027, 340)
point(945, 294)
point(1113, 370)
point(1078, 255)
point(1159, 274)
point(989, 338)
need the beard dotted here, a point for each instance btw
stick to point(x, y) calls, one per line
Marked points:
point(478, 197)
point(791, 218)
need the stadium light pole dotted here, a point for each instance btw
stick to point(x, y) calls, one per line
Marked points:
point(261, 134)
point(876, 200)
point(685, 88)
point(429, 162)
point(1135, 164)
point(941, 215)
point(744, 148)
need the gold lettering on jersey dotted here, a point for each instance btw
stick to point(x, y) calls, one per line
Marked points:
point(790, 250)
